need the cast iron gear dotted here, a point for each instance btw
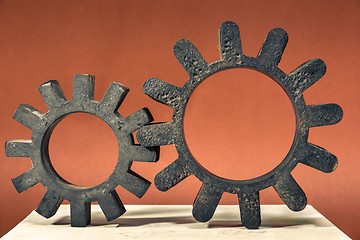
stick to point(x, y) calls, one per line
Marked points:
point(58, 189)
point(280, 178)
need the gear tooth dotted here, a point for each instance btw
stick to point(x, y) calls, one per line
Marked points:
point(134, 183)
point(323, 115)
point(291, 193)
point(18, 148)
point(230, 42)
point(83, 87)
point(139, 153)
point(205, 203)
point(111, 205)
point(320, 159)
point(172, 175)
point(162, 91)
point(136, 120)
point(190, 58)
point(49, 204)
point(80, 212)
point(250, 209)
point(52, 94)
point(113, 97)
point(307, 74)
point(156, 134)
point(28, 116)
point(273, 46)
point(26, 180)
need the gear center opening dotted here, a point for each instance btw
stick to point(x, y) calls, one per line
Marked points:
point(83, 149)
point(239, 124)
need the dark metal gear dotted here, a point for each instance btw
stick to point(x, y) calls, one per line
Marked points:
point(280, 178)
point(43, 172)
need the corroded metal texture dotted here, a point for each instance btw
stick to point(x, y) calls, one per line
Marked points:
point(58, 189)
point(280, 178)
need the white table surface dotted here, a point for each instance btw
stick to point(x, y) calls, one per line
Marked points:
point(176, 222)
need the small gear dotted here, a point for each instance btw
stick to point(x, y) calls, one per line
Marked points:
point(301, 151)
point(42, 126)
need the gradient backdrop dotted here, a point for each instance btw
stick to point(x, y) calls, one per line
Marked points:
point(239, 123)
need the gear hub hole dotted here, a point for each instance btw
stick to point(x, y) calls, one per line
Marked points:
point(83, 149)
point(239, 124)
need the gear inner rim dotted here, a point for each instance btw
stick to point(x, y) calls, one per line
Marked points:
point(240, 158)
point(53, 177)
point(46, 141)
point(262, 181)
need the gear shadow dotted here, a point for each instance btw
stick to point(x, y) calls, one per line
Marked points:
point(278, 222)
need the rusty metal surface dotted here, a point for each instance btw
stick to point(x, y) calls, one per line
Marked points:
point(280, 178)
point(58, 189)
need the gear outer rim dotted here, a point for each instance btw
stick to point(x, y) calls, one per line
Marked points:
point(301, 151)
point(43, 171)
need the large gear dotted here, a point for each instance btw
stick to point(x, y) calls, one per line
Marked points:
point(58, 189)
point(280, 178)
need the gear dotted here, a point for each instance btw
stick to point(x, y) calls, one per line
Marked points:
point(58, 189)
point(280, 178)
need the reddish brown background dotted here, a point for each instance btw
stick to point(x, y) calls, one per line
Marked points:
point(239, 123)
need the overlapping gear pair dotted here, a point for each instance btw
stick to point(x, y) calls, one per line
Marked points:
point(151, 136)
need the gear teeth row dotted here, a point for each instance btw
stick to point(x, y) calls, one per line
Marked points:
point(280, 178)
point(58, 189)
point(158, 134)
